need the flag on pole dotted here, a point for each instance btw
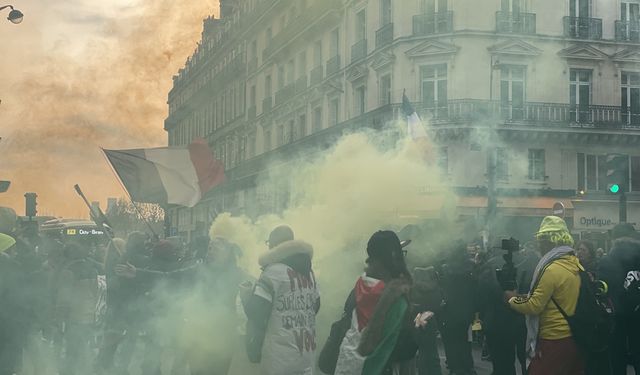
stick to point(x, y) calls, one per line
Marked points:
point(414, 123)
point(167, 175)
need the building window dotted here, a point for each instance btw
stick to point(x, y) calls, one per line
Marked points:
point(579, 8)
point(281, 77)
point(592, 172)
point(361, 25)
point(253, 51)
point(385, 89)
point(267, 140)
point(302, 126)
point(252, 146)
point(280, 136)
point(335, 43)
point(290, 133)
point(512, 6)
point(580, 94)
point(502, 164)
point(630, 97)
point(317, 119)
point(434, 87)
point(635, 173)
point(434, 6)
point(317, 54)
point(291, 67)
point(512, 89)
point(268, 36)
point(252, 96)
point(536, 164)
point(267, 86)
point(443, 160)
point(360, 100)
point(385, 12)
point(334, 111)
point(302, 64)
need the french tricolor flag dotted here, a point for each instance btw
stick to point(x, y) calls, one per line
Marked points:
point(167, 175)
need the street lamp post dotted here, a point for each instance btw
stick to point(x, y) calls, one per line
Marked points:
point(15, 16)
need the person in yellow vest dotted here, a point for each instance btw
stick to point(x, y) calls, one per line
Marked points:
point(556, 278)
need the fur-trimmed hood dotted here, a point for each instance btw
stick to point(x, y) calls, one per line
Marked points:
point(372, 334)
point(295, 254)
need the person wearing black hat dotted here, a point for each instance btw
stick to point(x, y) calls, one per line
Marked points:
point(620, 270)
point(381, 311)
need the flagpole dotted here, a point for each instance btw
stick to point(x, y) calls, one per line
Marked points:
point(135, 206)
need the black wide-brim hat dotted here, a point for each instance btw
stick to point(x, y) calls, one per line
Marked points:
point(383, 243)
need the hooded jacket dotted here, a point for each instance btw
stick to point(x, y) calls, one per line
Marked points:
point(286, 297)
point(560, 281)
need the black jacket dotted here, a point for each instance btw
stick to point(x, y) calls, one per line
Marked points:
point(620, 263)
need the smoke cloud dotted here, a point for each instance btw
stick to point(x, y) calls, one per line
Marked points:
point(79, 75)
point(363, 184)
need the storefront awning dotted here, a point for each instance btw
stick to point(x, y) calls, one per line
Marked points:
point(515, 206)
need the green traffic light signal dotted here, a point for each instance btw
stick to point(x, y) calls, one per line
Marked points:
point(614, 188)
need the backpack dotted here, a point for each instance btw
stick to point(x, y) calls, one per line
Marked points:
point(328, 358)
point(592, 322)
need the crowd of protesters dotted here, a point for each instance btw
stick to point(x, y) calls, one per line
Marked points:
point(100, 310)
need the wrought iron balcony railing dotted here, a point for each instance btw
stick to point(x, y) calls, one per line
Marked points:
point(515, 23)
point(529, 113)
point(583, 28)
point(628, 31)
point(317, 75)
point(359, 50)
point(333, 65)
point(384, 35)
point(433, 23)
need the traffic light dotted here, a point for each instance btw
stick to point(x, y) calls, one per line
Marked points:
point(617, 178)
point(30, 204)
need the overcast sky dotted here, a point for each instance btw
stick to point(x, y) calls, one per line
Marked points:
point(77, 75)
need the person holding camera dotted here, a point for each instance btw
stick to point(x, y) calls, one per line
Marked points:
point(555, 285)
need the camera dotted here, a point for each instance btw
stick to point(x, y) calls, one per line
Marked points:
point(507, 274)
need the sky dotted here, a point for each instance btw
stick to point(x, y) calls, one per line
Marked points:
point(78, 75)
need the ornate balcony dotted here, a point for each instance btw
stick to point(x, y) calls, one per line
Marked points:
point(359, 50)
point(433, 23)
point(583, 28)
point(515, 23)
point(531, 114)
point(333, 65)
point(628, 31)
point(384, 35)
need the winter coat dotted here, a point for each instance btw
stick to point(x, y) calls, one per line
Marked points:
point(288, 288)
point(376, 324)
point(77, 293)
point(620, 269)
point(560, 280)
point(459, 288)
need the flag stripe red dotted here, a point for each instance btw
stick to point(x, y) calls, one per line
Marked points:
point(210, 171)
